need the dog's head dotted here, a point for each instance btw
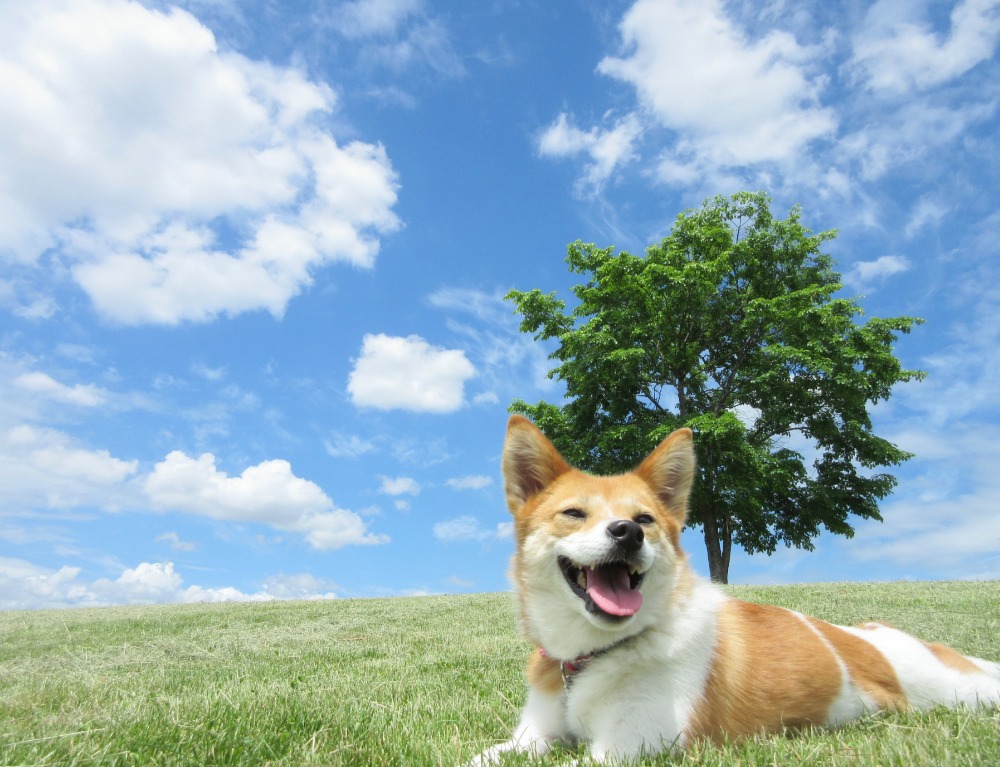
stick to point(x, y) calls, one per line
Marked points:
point(596, 556)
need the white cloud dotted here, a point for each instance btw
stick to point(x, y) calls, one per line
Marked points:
point(169, 136)
point(732, 101)
point(207, 372)
point(299, 586)
point(399, 486)
point(399, 35)
point(468, 528)
point(864, 275)
point(340, 445)
point(942, 520)
point(409, 374)
point(509, 362)
point(425, 44)
point(927, 213)
point(897, 52)
point(606, 149)
point(176, 543)
point(44, 468)
point(43, 385)
point(367, 18)
point(268, 493)
point(915, 131)
point(470, 482)
point(26, 586)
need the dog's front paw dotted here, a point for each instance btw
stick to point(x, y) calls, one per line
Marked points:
point(488, 758)
point(491, 756)
point(536, 746)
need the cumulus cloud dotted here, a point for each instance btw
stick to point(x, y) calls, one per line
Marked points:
point(409, 374)
point(732, 101)
point(468, 528)
point(137, 152)
point(27, 586)
point(268, 493)
point(897, 52)
point(24, 585)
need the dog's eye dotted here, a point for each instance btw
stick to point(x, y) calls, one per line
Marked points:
point(574, 514)
point(645, 519)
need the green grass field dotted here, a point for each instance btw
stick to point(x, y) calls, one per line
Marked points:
point(397, 682)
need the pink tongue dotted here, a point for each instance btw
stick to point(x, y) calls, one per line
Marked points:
point(609, 588)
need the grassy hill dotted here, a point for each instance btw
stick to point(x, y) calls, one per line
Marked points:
point(396, 682)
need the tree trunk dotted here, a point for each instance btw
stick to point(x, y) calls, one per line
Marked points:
point(718, 544)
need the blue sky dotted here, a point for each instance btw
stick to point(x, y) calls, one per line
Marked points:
point(252, 259)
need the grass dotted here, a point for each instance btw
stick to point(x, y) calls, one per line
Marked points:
point(397, 682)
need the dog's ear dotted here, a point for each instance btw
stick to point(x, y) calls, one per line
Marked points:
point(669, 470)
point(530, 462)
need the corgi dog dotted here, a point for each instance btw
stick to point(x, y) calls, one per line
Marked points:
point(636, 654)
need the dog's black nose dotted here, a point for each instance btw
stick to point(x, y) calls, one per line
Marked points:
point(626, 533)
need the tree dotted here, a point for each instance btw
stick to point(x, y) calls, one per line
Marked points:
point(732, 325)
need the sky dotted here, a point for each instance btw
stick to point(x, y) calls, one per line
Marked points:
point(253, 341)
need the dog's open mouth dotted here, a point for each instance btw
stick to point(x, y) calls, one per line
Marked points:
point(611, 589)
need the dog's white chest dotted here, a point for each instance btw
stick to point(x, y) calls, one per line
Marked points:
point(624, 703)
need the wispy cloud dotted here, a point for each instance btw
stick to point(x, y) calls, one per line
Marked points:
point(399, 486)
point(373, 18)
point(897, 50)
point(606, 149)
point(45, 386)
point(340, 445)
point(470, 482)
point(509, 363)
point(176, 542)
point(864, 276)
point(468, 528)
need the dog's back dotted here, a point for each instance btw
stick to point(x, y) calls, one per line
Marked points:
point(775, 669)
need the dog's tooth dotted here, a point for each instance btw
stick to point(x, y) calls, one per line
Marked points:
point(581, 578)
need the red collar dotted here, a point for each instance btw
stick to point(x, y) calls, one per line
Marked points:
point(569, 667)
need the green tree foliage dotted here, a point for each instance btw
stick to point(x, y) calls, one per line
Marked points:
point(731, 326)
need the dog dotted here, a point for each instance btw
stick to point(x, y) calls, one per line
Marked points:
point(636, 654)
